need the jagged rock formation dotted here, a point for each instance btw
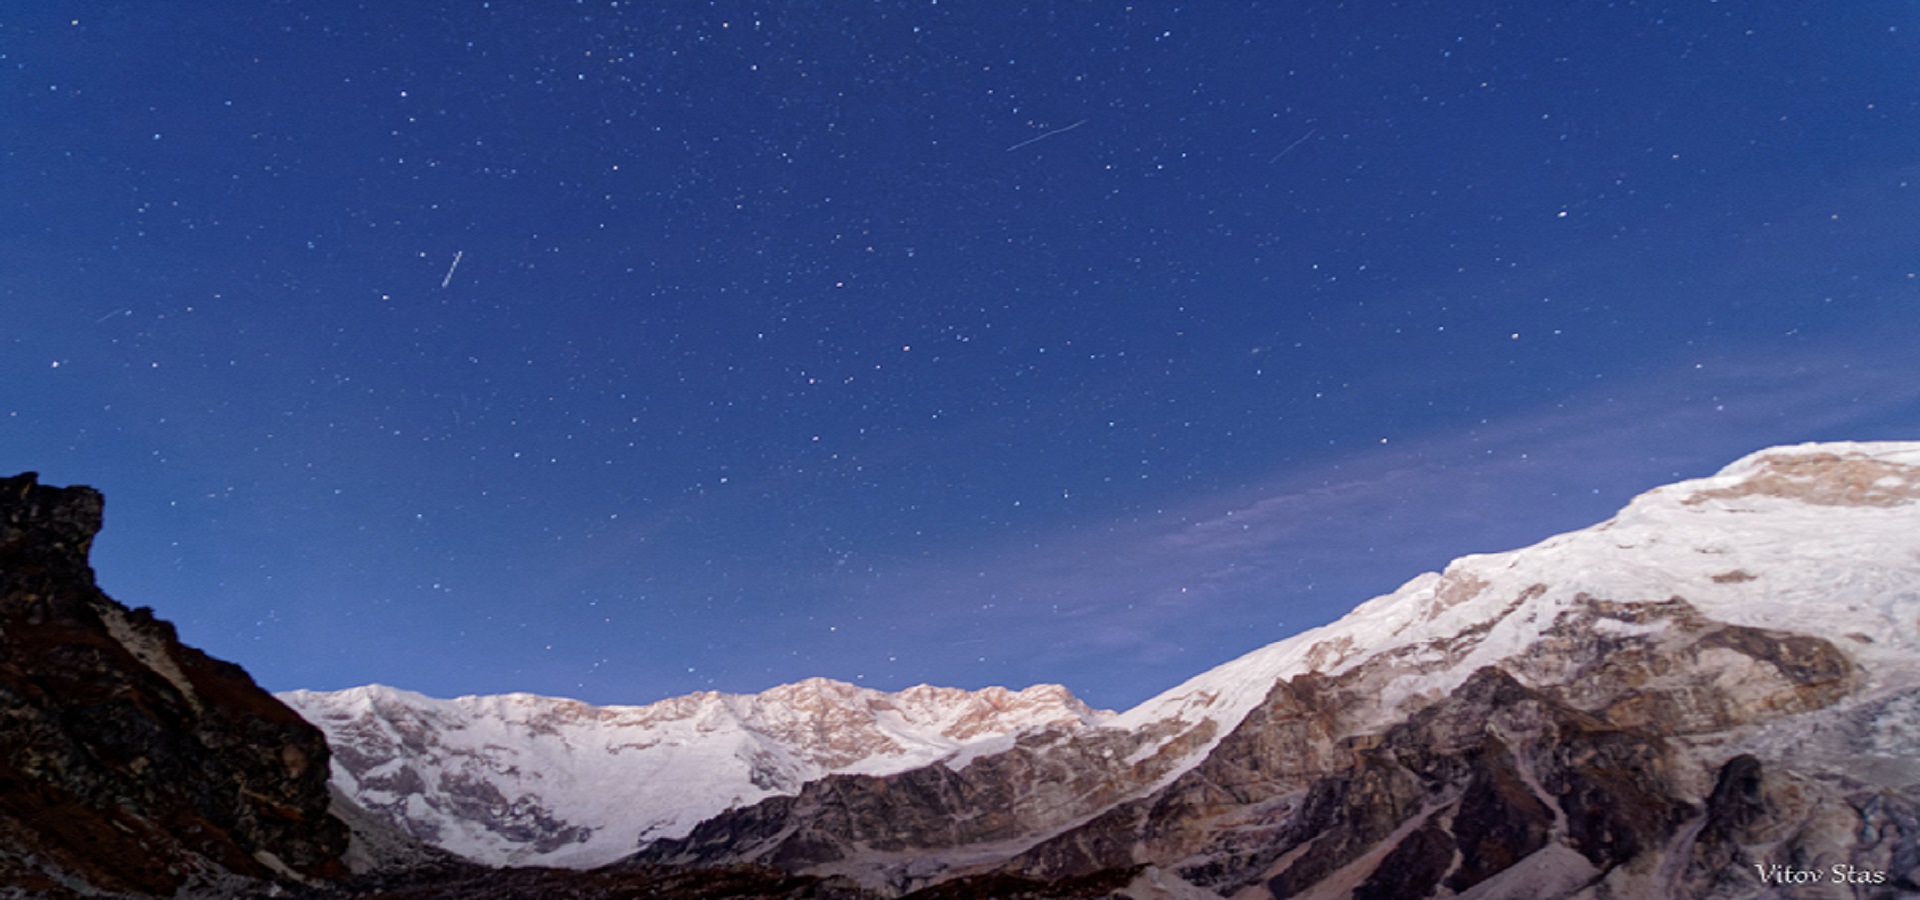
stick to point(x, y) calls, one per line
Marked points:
point(129, 763)
point(1715, 690)
point(527, 780)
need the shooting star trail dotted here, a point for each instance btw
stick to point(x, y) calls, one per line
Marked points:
point(1047, 134)
point(1297, 142)
point(122, 311)
point(456, 264)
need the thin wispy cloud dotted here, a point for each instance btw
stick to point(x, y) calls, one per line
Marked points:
point(1232, 571)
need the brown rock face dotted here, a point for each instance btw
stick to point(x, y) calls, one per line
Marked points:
point(131, 764)
point(1048, 778)
point(1825, 479)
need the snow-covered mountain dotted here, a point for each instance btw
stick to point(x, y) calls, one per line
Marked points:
point(1723, 677)
point(521, 779)
point(1821, 539)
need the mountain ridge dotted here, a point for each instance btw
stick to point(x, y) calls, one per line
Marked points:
point(449, 771)
point(1477, 724)
point(1786, 585)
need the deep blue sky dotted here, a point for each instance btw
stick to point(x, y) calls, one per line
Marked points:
point(961, 342)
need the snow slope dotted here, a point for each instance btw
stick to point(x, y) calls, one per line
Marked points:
point(1820, 539)
point(527, 780)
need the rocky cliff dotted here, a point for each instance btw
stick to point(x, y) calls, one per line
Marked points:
point(129, 763)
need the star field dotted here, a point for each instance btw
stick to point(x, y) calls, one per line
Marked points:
point(618, 350)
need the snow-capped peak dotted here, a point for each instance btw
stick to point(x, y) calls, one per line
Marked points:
point(1822, 539)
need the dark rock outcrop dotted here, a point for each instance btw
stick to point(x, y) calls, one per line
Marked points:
point(1760, 818)
point(129, 763)
point(1470, 787)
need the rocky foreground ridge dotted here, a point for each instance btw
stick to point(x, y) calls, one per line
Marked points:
point(1715, 694)
point(129, 763)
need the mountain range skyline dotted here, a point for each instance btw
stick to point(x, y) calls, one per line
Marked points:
point(1764, 614)
point(1706, 693)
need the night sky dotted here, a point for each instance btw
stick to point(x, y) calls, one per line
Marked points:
point(619, 350)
